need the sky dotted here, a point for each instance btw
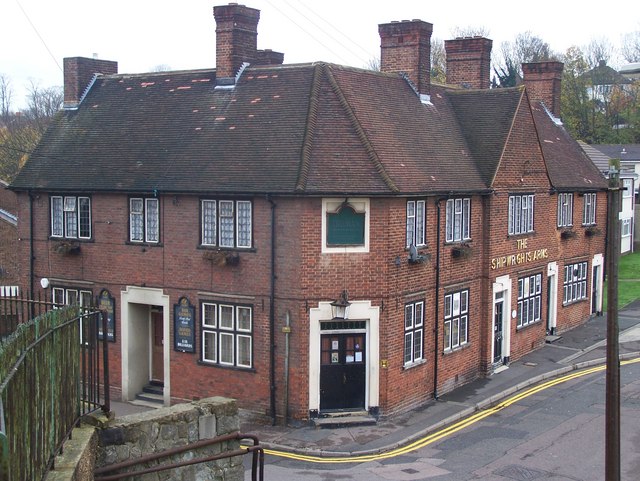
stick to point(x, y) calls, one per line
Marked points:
point(141, 35)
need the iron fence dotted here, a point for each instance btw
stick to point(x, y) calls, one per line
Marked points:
point(53, 371)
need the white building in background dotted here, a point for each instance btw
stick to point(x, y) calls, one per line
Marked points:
point(601, 155)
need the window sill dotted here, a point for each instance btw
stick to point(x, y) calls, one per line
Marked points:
point(577, 301)
point(411, 365)
point(144, 244)
point(224, 366)
point(527, 326)
point(207, 248)
point(454, 350)
point(458, 243)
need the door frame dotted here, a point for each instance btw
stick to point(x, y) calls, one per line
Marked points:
point(135, 339)
point(359, 310)
point(502, 285)
point(597, 282)
point(552, 297)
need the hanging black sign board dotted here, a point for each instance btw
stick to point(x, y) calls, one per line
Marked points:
point(184, 315)
point(107, 303)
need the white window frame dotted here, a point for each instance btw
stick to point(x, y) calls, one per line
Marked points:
point(627, 184)
point(565, 209)
point(456, 315)
point(457, 219)
point(529, 299)
point(416, 223)
point(521, 214)
point(575, 282)
point(70, 217)
point(413, 350)
point(228, 325)
point(234, 231)
point(332, 205)
point(625, 227)
point(147, 218)
point(589, 211)
point(64, 296)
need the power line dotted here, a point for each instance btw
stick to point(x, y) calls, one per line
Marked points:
point(327, 33)
point(306, 31)
point(340, 32)
point(39, 36)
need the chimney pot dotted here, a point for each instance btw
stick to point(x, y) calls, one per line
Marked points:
point(78, 74)
point(543, 81)
point(236, 37)
point(469, 61)
point(405, 47)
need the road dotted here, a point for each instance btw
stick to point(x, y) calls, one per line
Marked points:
point(555, 433)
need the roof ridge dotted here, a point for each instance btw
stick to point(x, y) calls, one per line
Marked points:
point(312, 117)
point(371, 153)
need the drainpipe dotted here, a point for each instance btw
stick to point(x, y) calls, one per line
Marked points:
point(272, 317)
point(31, 251)
point(437, 310)
point(287, 333)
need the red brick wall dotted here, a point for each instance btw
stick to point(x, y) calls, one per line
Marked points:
point(469, 61)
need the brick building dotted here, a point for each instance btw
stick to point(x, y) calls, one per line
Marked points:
point(314, 238)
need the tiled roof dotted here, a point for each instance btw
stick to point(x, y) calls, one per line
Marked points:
point(600, 160)
point(485, 117)
point(568, 166)
point(615, 151)
point(283, 129)
point(307, 129)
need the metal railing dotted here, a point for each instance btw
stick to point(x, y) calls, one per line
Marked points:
point(257, 463)
point(53, 371)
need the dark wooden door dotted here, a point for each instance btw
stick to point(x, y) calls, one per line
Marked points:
point(498, 312)
point(157, 347)
point(342, 371)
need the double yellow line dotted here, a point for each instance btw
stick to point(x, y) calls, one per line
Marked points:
point(451, 429)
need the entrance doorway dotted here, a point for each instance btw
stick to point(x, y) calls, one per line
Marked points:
point(594, 290)
point(157, 347)
point(498, 328)
point(342, 371)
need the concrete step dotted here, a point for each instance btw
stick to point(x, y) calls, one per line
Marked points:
point(151, 396)
point(344, 420)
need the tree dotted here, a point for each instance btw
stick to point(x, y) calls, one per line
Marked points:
point(599, 50)
point(631, 46)
point(5, 98)
point(20, 132)
point(575, 103)
point(525, 48)
point(438, 61)
point(42, 104)
point(469, 31)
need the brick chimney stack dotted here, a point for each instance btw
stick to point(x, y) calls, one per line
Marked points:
point(236, 38)
point(78, 74)
point(543, 81)
point(406, 47)
point(469, 62)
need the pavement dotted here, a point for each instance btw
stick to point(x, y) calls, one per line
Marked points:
point(578, 348)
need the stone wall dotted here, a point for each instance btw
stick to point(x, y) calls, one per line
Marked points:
point(137, 435)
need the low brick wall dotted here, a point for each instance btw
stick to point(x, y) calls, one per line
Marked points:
point(137, 435)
